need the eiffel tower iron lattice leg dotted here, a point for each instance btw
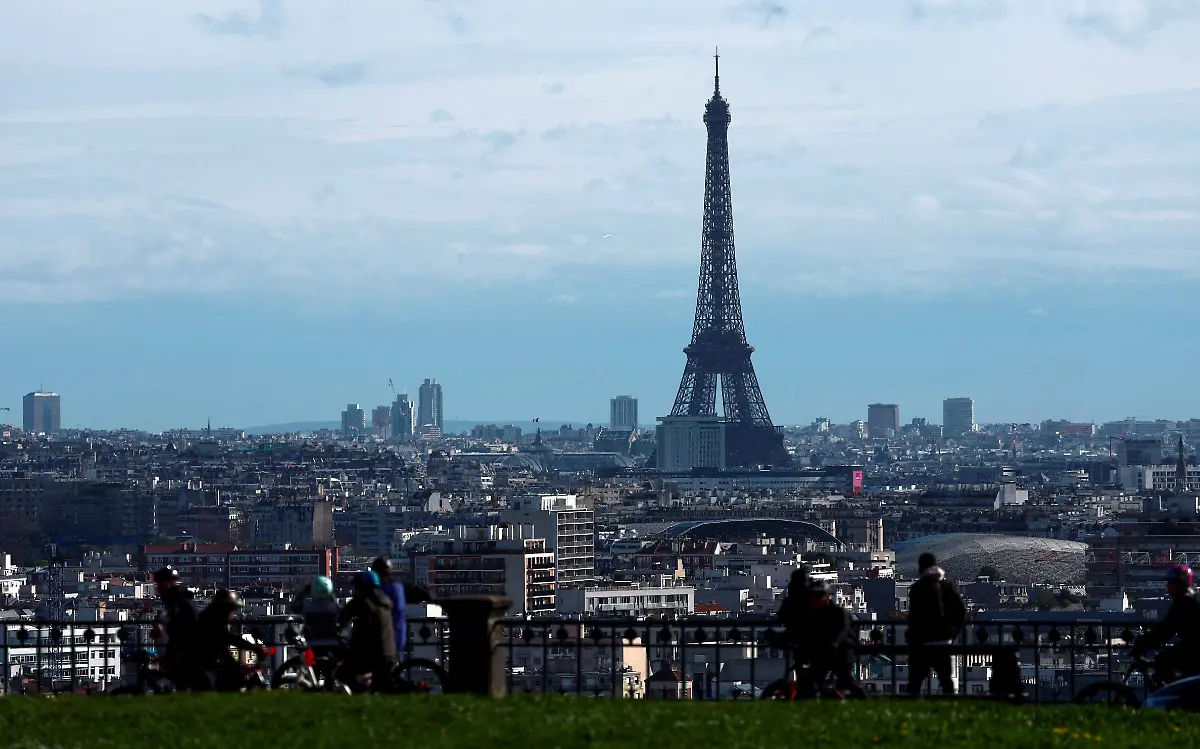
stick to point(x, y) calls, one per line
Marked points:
point(719, 349)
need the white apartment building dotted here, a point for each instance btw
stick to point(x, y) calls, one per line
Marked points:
point(568, 524)
point(74, 658)
point(628, 601)
point(1156, 478)
point(687, 442)
point(623, 413)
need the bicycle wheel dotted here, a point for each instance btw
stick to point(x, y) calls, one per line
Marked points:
point(293, 674)
point(419, 675)
point(1109, 693)
point(780, 689)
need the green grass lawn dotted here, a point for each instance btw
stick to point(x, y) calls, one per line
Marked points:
point(309, 721)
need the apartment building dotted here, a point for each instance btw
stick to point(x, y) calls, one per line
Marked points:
point(225, 566)
point(568, 525)
point(628, 601)
point(510, 561)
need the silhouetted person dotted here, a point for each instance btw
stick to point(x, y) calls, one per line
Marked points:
point(372, 639)
point(821, 635)
point(178, 622)
point(215, 643)
point(936, 614)
point(791, 611)
point(319, 609)
point(400, 594)
point(1182, 621)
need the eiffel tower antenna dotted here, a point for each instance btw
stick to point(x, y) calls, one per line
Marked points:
point(717, 72)
point(718, 349)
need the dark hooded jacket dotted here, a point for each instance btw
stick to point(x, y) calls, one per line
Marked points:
point(935, 610)
point(215, 641)
point(372, 640)
point(179, 623)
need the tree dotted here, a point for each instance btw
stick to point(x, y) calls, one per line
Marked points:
point(1045, 600)
point(989, 572)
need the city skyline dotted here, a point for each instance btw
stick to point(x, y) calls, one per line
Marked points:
point(991, 227)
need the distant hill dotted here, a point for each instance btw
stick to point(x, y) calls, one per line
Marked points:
point(450, 427)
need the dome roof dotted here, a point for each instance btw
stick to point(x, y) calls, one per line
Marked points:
point(1019, 559)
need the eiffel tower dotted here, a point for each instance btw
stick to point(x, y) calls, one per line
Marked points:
point(719, 347)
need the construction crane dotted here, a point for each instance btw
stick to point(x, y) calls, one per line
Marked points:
point(392, 385)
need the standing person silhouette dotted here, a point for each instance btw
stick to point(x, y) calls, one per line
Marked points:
point(936, 614)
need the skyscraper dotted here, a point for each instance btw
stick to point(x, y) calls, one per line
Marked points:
point(381, 420)
point(883, 420)
point(403, 414)
point(354, 420)
point(42, 413)
point(622, 413)
point(429, 404)
point(958, 417)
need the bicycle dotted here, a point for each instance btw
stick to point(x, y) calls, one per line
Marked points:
point(148, 680)
point(418, 676)
point(802, 681)
point(310, 670)
point(413, 676)
point(1117, 691)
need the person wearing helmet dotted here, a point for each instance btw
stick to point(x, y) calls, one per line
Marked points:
point(400, 594)
point(372, 639)
point(820, 633)
point(214, 641)
point(177, 621)
point(1183, 622)
point(319, 609)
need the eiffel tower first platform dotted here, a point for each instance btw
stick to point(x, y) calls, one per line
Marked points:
point(719, 348)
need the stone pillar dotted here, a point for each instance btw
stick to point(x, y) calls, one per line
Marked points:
point(477, 645)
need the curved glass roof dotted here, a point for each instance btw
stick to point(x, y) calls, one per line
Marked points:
point(730, 529)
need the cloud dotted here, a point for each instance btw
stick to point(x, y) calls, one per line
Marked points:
point(343, 74)
point(268, 23)
point(962, 11)
point(170, 168)
point(1128, 22)
point(451, 15)
point(333, 75)
point(500, 139)
point(925, 206)
point(818, 34)
point(766, 12)
point(1033, 155)
point(557, 87)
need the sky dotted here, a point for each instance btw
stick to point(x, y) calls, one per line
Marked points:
point(259, 211)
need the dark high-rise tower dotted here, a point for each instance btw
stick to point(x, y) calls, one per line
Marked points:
point(1181, 470)
point(719, 347)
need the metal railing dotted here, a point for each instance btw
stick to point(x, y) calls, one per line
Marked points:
point(39, 656)
point(707, 658)
point(691, 658)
